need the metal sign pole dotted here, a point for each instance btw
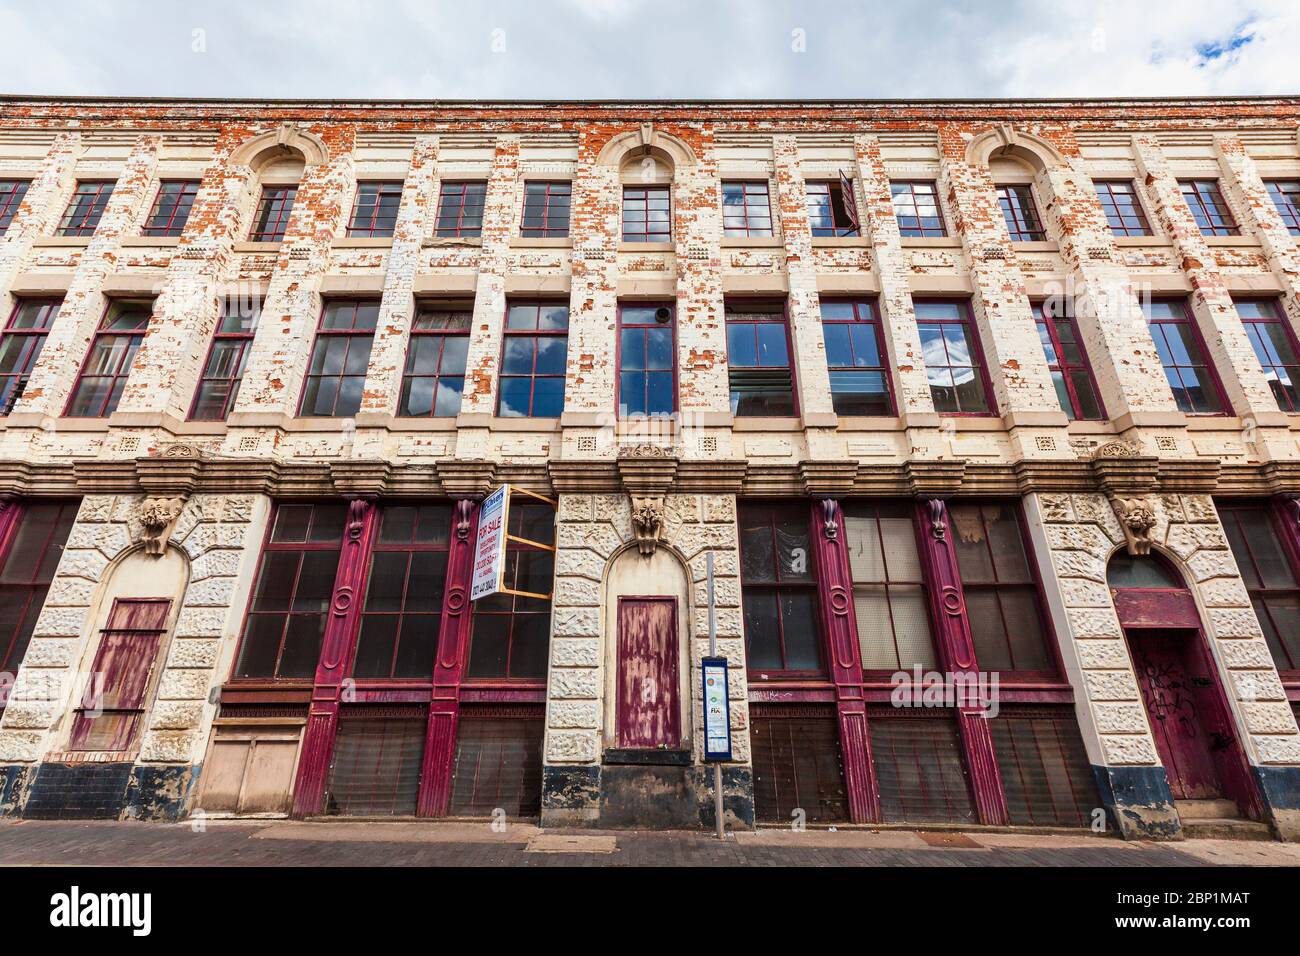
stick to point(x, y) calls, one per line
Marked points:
point(713, 652)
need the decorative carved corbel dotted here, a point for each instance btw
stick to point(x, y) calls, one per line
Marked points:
point(938, 518)
point(157, 517)
point(1137, 518)
point(647, 523)
point(464, 512)
point(830, 527)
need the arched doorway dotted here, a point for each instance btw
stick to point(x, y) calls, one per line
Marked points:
point(1184, 700)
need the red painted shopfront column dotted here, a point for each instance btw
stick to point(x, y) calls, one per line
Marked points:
point(453, 649)
point(957, 655)
point(335, 656)
point(836, 608)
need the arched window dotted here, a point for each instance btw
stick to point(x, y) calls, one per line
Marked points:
point(1141, 571)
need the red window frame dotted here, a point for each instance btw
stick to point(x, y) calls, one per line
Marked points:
point(1206, 202)
point(1123, 207)
point(753, 218)
point(1071, 373)
point(119, 369)
point(1285, 194)
point(864, 313)
point(762, 376)
point(33, 572)
point(628, 328)
point(415, 519)
point(1020, 212)
point(1283, 375)
point(770, 514)
point(336, 521)
point(1032, 584)
point(518, 311)
point(460, 208)
point(171, 207)
point(223, 368)
point(829, 216)
point(86, 207)
point(1286, 658)
point(274, 208)
point(12, 192)
point(358, 338)
point(909, 213)
point(1211, 386)
point(961, 316)
point(644, 200)
point(529, 562)
point(871, 512)
point(546, 210)
point(368, 204)
point(425, 329)
point(28, 339)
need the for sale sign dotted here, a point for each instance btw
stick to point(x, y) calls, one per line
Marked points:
point(489, 546)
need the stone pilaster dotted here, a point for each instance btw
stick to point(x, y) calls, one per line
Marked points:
point(703, 390)
point(169, 362)
point(808, 346)
point(912, 395)
point(483, 364)
point(1014, 355)
point(396, 311)
point(1109, 315)
point(277, 365)
point(1225, 338)
point(1248, 194)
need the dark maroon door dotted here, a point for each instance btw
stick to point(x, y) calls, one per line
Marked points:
point(1184, 714)
point(648, 711)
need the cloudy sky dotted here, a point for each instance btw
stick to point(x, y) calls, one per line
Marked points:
point(629, 49)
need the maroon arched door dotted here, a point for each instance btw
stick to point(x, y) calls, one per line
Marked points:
point(1185, 703)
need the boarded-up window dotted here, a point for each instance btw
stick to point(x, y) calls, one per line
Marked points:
point(1045, 771)
point(797, 765)
point(498, 763)
point(250, 769)
point(128, 649)
point(376, 767)
point(919, 770)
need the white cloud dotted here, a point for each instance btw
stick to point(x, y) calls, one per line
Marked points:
point(631, 49)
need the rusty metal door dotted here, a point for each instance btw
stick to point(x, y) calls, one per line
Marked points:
point(649, 713)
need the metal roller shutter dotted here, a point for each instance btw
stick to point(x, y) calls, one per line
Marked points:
point(919, 767)
point(1045, 771)
point(375, 771)
point(498, 763)
point(797, 765)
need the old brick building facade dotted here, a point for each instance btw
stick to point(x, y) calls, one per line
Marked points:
point(996, 393)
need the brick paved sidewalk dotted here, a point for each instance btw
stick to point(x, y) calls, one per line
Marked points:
point(280, 843)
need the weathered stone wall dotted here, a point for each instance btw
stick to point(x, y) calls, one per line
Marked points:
point(219, 536)
point(1081, 532)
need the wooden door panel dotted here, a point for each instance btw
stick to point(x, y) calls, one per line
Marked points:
point(648, 707)
point(1174, 706)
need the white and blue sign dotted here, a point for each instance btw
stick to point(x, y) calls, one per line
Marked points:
point(717, 709)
